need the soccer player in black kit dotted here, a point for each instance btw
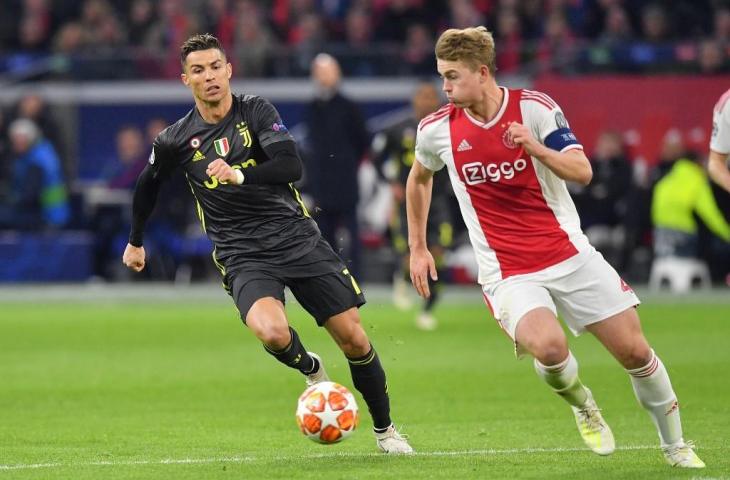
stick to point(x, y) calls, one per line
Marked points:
point(240, 161)
point(395, 147)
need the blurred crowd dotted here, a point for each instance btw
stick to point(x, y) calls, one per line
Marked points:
point(112, 39)
point(624, 210)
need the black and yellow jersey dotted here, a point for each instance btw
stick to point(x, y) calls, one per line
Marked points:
point(257, 224)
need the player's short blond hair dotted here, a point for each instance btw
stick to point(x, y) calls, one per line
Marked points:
point(474, 46)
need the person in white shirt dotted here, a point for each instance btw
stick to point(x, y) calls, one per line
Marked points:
point(717, 164)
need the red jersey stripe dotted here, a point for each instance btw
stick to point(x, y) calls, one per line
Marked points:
point(431, 118)
point(538, 100)
point(541, 95)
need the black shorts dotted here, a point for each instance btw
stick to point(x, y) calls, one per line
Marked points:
point(319, 280)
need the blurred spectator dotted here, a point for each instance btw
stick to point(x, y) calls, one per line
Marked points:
point(220, 20)
point(307, 37)
point(556, 50)
point(721, 25)
point(284, 15)
point(33, 107)
point(680, 195)
point(509, 39)
point(463, 14)
point(175, 24)
point(36, 24)
point(131, 158)
point(672, 149)
point(418, 56)
point(394, 19)
point(711, 58)
point(617, 28)
point(4, 157)
point(338, 140)
point(101, 26)
point(603, 203)
point(141, 18)
point(70, 40)
point(253, 42)
point(37, 196)
point(655, 23)
point(152, 128)
point(358, 35)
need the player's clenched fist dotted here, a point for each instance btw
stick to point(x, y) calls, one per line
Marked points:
point(134, 257)
point(521, 135)
point(221, 170)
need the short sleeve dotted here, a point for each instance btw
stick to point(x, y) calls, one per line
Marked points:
point(426, 153)
point(267, 124)
point(720, 141)
point(548, 123)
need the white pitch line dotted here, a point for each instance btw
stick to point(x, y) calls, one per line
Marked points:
point(250, 459)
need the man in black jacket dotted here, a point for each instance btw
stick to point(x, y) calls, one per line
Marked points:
point(338, 140)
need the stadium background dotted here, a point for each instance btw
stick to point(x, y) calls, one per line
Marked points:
point(106, 374)
point(86, 70)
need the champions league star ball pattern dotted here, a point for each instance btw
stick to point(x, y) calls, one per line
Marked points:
point(327, 413)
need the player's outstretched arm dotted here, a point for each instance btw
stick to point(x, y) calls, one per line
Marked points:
point(717, 168)
point(143, 202)
point(418, 200)
point(571, 165)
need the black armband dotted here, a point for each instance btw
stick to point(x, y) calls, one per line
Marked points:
point(284, 165)
point(143, 202)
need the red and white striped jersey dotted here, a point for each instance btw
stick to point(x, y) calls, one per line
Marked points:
point(720, 140)
point(519, 214)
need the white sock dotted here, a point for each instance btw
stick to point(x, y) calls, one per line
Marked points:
point(654, 391)
point(563, 378)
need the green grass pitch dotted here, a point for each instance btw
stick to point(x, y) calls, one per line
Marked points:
point(179, 389)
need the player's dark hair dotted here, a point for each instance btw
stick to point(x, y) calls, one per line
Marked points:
point(201, 41)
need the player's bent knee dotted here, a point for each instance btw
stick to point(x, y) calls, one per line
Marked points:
point(353, 341)
point(550, 352)
point(273, 334)
point(637, 355)
point(274, 337)
point(356, 344)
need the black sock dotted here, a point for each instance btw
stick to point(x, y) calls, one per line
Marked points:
point(294, 355)
point(368, 377)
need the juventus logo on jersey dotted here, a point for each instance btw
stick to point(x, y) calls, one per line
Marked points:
point(245, 134)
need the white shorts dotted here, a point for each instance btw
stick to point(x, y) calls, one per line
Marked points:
point(583, 289)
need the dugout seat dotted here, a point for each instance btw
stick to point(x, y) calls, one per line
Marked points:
point(680, 274)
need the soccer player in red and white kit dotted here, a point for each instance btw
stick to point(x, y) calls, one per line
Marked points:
point(508, 154)
point(717, 165)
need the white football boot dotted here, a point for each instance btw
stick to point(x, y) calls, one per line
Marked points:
point(319, 375)
point(400, 293)
point(425, 321)
point(595, 431)
point(392, 442)
point(682, 455)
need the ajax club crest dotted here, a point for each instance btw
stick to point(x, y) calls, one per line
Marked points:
point(507, 140)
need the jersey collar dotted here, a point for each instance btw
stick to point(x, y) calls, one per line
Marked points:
point(492, 122)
